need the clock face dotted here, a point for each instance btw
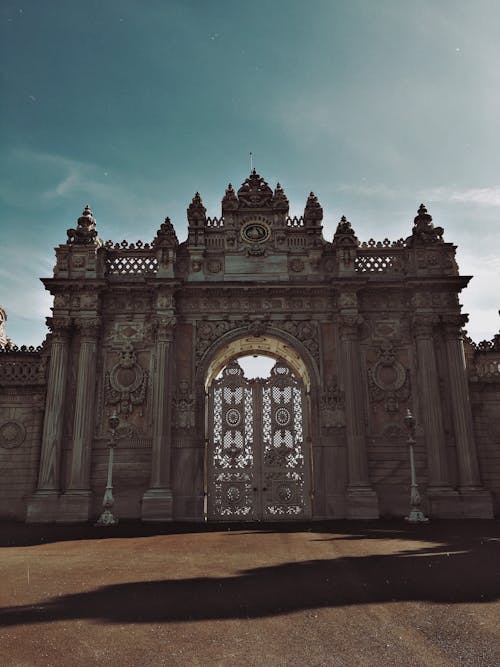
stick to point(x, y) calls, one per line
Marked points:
point(255, 232)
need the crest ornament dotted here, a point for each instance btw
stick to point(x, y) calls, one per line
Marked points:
point(126, 382)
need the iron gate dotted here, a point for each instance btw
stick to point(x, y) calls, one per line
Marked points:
point(258, 464)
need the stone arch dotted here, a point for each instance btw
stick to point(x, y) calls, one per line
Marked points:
point(271, 341)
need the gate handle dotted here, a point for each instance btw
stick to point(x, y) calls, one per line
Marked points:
point(255, 488)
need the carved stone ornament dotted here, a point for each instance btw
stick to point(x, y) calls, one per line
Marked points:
point(214, 266)
point(296, 265)
point(332, 407)
point(12, 434)
point(85, 232)
point(424, 232)
point(388, 380)
point(184, 407)
point(126, 382)
point(255, 192)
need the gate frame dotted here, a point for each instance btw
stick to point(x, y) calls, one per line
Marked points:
point(293, 352)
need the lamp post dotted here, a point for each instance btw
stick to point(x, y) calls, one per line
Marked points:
point(416, 515)
point(107, 518)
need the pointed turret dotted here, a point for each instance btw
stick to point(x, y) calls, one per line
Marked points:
point(313, 213)
point(166, 236)
point(196, 212)
point(280, 200)
point(344, 234)
point(229, 201)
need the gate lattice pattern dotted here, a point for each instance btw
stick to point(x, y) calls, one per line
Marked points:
point(257, 462)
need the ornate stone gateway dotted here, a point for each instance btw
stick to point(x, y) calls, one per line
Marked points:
point(362, 331)
point(258, 461)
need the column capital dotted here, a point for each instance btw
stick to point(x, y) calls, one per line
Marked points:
point(164, 327)
point(59, 326)
point(423, 324)
point(350, 324)
point(89, 327)
point(453, 324)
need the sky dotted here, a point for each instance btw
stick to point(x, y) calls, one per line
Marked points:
point(133, 105)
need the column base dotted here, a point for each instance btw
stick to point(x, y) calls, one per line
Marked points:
point(157, 505)
point(74, 507)
point(43, 506)
point(444, 503)
point(362, 503)
point(476, 503)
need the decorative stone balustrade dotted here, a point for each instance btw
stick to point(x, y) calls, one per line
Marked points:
point(22, 366)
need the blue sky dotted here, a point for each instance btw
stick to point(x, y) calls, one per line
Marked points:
point(133, 105)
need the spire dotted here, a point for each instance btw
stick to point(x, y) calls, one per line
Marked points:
point(196, 212)
point(166, 236)
point(313, 213)
point(280, 200)
point(229, 201)
point(85, 232)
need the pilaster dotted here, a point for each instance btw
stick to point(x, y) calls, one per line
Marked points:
point(362, 502)
point(157, 502)
point(43, 504)
point(443, 500)
point(476, 501)
point(75, 502)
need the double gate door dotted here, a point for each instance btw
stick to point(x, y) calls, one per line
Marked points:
point(258, 465)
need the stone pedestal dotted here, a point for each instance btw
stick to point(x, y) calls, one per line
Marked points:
point(74, 506)
point(43, 506)
point(444, 503)
point(476, 504)
point(362, 503)
point(157, 505)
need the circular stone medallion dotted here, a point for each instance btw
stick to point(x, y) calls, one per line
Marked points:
point(12, 434)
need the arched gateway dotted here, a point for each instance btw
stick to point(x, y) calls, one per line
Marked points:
point(259, 459)
point(360, 332)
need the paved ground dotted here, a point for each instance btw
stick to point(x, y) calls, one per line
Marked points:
point(343, 593)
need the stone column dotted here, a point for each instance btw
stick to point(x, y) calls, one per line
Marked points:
point(476, 501)
point(76, 501)
point(157, 502)
point(43, 505)
point(362, 502)
point(443, 501)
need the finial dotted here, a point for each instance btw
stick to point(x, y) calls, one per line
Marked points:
point(251, 163)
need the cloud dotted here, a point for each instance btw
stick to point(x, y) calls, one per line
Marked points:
point(485, 196)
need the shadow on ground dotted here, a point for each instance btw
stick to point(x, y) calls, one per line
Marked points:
point(462, 566)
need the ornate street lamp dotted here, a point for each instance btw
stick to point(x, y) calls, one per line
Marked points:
point(107, 518)
point(416, 515)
